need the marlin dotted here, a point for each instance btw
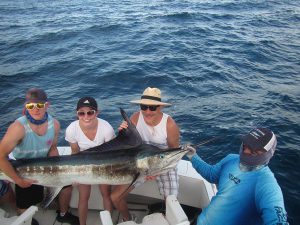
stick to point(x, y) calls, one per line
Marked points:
point(123, 160)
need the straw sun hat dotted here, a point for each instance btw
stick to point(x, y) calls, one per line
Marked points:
point(151, 96)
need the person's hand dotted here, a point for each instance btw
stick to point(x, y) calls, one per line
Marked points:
point(25, 183)
point(150, 177)
point(123, 125)
point(191, 151)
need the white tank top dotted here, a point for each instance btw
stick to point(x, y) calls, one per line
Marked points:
point(156, 135)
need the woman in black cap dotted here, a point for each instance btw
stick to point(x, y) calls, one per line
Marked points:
point(87, 132)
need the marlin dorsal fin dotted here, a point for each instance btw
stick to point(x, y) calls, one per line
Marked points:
point(126, 138)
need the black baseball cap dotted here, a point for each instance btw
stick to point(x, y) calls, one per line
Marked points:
point(260, 138)
point(87, 102)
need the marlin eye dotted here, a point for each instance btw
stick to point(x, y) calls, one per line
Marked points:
point(161, 156)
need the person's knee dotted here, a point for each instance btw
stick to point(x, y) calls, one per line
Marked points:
point(115, 197)
point(85, 196)
point(106, 196)
point(105, 193)
point(66, 191)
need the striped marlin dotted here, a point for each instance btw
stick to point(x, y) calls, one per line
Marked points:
point(122, 160)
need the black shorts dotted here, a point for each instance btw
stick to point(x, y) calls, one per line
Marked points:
point(26, 197)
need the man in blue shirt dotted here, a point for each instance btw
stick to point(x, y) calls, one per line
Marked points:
point(248, 193)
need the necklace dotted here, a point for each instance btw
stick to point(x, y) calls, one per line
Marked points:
point(152, 130)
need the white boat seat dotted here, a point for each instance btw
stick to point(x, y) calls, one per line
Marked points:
point(174, 212)
point(3, 214)
point(105, 218)
point(24, 219)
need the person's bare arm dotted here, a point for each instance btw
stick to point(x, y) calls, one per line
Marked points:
point(134, 118)
point(53, 149)
point(15, 133)
point(75, 148)
point(172, 133)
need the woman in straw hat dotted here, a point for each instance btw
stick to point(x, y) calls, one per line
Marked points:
point(156, 128)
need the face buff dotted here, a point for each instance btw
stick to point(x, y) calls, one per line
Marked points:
point(34, 121)
point(254, 162)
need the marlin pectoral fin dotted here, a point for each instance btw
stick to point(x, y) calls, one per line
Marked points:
point(135, 179)
point(50, 194)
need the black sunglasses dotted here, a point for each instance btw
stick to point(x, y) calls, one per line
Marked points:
point(150, 107)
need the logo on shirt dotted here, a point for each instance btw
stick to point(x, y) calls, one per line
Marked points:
point(234, 179)
point(281, 215)
point(49, 142)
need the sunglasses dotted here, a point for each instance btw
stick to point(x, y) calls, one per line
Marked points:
point(89, 113)
point(31, 106)
point(150, 107)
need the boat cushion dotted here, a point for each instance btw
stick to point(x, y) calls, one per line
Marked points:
point(155, 218)
point(152, 219)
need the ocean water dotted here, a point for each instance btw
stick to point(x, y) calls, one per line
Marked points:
point(226, 67)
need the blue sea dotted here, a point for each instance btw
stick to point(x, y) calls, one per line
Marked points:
point(226, 66)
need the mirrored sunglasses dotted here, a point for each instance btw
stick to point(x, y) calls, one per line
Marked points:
point(89, 113)
point(150, 107)
point(31, 106)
